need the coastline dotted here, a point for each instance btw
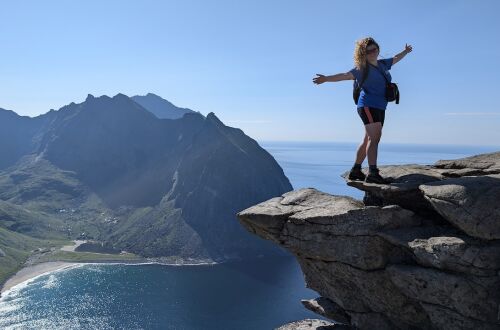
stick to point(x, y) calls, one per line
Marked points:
point(30, 272)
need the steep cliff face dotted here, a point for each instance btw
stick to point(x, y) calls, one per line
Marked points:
point(420, 253)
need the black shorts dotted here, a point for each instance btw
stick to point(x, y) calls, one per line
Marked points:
point(371, 115)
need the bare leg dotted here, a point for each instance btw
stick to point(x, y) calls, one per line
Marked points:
point(361, 152)
point(374, 132)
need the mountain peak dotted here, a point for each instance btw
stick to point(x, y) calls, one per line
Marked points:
point(153, 95)
point(120, 96)
point(213, 118)
point(89, 97)
point(160, 107)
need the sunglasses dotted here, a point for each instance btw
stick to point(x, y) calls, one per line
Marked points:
point(371, 51)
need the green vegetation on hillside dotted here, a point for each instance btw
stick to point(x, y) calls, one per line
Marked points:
point(88, 257)
point(16, 248)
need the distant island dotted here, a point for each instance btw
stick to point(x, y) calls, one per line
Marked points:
point(131, 174)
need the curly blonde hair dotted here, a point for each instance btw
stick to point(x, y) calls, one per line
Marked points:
point(360, 51)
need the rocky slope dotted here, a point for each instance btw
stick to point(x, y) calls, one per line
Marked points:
point(422, 252)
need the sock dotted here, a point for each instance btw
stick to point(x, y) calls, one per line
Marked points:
point(373, 168)
point(357, 166)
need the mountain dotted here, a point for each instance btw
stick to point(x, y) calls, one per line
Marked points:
point(160, 107)
point(110, 170)
point(17, 134)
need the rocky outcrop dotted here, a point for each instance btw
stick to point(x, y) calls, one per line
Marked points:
point(310, 324)
point(422, 252)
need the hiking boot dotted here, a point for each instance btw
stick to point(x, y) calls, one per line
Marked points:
point(375, 177)
point(356, 174)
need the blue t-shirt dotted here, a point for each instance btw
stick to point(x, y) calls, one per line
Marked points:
point(373, 90)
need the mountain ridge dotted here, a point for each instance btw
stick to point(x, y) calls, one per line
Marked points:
point(108, 169)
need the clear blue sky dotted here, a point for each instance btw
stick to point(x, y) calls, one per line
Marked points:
point(252, 62)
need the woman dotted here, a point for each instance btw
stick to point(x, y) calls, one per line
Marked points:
point(371, 102)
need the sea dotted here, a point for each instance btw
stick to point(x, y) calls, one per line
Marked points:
point(258, 294)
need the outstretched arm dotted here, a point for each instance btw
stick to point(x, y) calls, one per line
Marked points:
point(336, 77)
point(399, 56)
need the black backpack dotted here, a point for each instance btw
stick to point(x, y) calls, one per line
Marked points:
point(357, 87)
point(391, 90)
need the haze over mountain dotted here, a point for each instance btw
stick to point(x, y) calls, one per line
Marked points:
point(111, 170)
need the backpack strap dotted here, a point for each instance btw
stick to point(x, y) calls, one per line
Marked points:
point(365, 75)
point(381, 72)
point(357, 86)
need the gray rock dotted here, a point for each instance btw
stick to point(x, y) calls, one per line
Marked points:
point(446, 319)
point(365, 252)
point(476, 165)
point(343, 230)
point(472, 297)
point(340, 217)
point(470, 203)
point(327, 308)
point(403, 188)
point(267, 220)
point(360, 292)
point(448, 249)
point(312, 324)
point(403, 236)
point(374, 321)
point(460, 254)
point(425, 256)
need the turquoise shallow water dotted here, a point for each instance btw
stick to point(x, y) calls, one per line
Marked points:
point(258, 294)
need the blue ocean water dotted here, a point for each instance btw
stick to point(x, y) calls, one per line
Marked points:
point(258, 294)
point(321, 164)
point(261, 294)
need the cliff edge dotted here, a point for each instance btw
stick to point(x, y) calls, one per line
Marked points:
point(422, 252)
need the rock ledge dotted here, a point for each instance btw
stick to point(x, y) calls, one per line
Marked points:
point(420, 253)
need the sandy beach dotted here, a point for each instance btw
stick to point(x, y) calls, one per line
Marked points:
point(32, 271)
point(71, 248)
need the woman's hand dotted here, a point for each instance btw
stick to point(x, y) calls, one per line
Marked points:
point(399, 56)
point(319, 79)
point(408, 48)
